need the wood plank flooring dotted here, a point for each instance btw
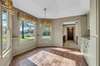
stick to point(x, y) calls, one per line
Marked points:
point(50, 57)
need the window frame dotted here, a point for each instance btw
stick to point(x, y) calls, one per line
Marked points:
point(7, 48)
point(22, 33)
point(0, 32)
point(43, 30)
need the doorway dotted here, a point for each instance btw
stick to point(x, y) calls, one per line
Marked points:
point(69, 36)
point(70, 33)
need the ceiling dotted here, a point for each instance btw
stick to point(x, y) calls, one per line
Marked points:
point(55, 8)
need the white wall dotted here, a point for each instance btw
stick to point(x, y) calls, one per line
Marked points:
point(93, 46)
point(58, 29)
point(20, 46)
point(90, 48)
point(84, 25)
point(57, 33)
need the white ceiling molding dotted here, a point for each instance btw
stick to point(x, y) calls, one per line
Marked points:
point(67, 23)
point(55, 8)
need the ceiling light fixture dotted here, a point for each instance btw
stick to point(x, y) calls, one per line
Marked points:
point(45, 12)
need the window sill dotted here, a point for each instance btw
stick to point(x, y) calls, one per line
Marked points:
point(27, 39)
point(46, 37)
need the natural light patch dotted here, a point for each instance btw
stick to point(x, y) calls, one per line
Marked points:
point(44, 58)
point(68, 51)
point(75, 53)
point(63, 50)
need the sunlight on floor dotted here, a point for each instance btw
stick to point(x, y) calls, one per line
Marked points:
point(68, 51)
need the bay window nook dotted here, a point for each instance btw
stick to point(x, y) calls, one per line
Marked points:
point(49, 32)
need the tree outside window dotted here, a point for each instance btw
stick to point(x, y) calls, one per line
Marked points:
point(46, 31)
point(27, 30)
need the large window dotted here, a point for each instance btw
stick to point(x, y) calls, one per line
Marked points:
point(4, 30)
point(5, 20)
point(27, 29)
point(46, 31)
point(0, 31)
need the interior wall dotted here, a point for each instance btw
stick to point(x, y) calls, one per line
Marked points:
point(58, 29)
point(78, 33)
point(88, 44)
point(93, 58)
point(57, 33)
point(90, 47)
point(84, 25)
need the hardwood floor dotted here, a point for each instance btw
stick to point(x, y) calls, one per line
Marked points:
point(50, 57)
point(70, 44)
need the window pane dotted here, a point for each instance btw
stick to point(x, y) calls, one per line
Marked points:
point(46, 31)
point(0, 31)
point(27, 30)
point(4, 29)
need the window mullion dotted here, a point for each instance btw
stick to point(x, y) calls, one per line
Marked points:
point(23, 29)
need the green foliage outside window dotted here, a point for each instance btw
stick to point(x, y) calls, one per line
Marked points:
point(27, 30)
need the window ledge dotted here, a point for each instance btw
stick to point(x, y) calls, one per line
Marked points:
point(26, 39)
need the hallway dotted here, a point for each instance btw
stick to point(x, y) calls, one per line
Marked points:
point(71, 44)
point(51, 56)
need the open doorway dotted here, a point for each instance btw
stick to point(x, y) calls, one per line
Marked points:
point(70, 33)
point(69, 36)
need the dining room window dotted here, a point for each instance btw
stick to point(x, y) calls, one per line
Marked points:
point(27, 29)
point(46, 31)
